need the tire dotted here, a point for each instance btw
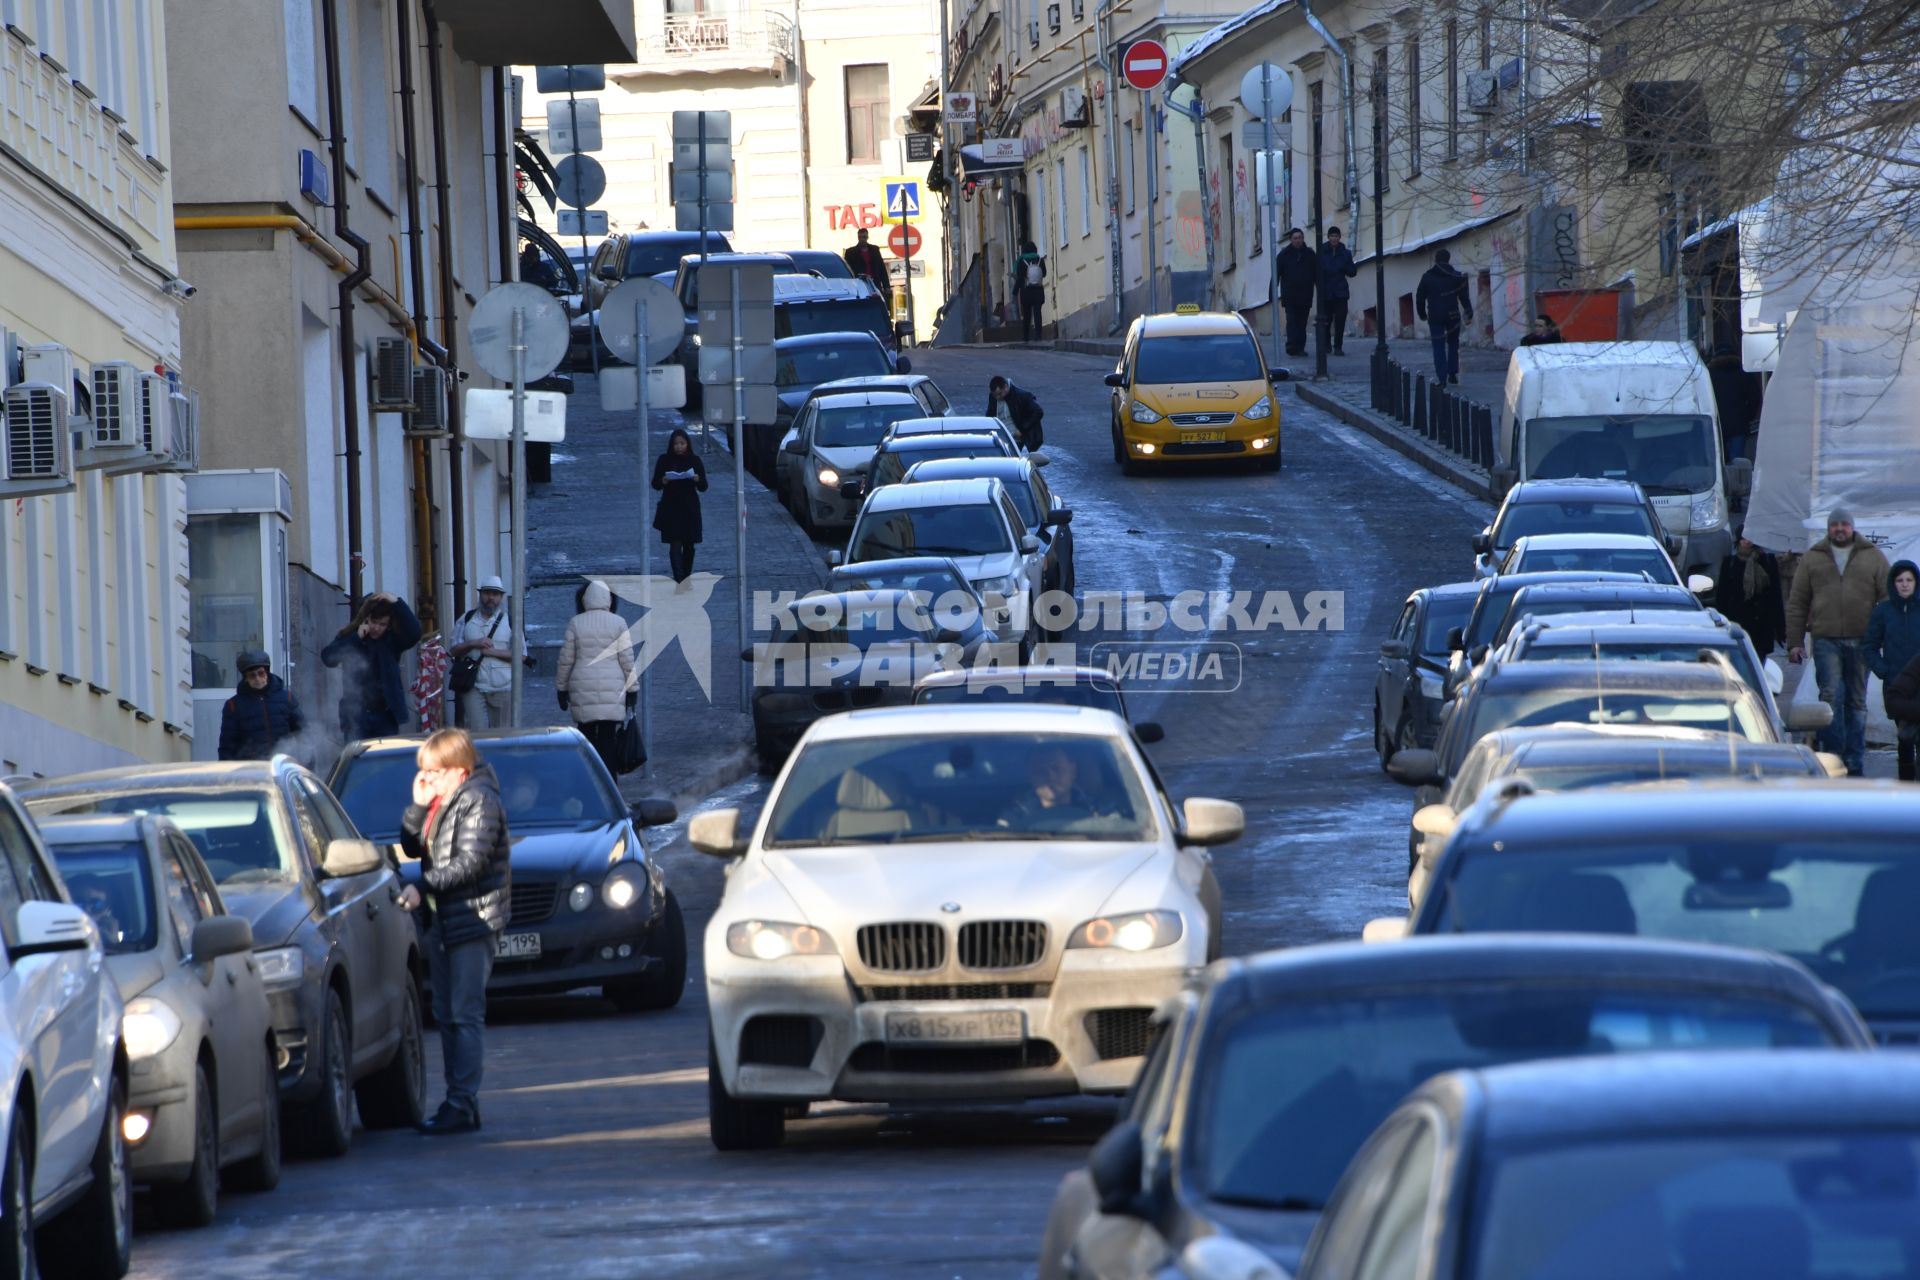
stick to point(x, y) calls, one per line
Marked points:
point(1119, 446)
point(194, 1201)
point(16, 1208)
point(261, 1172)
point(767, 755)
point(740, 1124)
point(1271, 464)
point(324, 1125)
point(395, 1096)
point(94, 1239)
point(1381, 747)
point(663, 988)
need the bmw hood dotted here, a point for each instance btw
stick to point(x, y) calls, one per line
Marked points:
point(134, 973)
point(275, 909)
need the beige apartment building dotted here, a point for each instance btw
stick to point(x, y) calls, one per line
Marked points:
point(94, 668)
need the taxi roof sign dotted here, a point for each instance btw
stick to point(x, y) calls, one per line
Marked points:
point(1187, 309)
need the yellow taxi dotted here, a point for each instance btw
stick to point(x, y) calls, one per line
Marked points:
point(1194, 388)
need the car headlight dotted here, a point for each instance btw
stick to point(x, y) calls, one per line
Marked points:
point(773, 940)
point(620, 892)
point(280, 967)
point(1263, 408)
point(1006, 587)
point(1708, 512)
point(828, 476)
point(580, 897)
point(149, 1027)
point(1431, 686)
point(1137, 931)
point(1142, 413)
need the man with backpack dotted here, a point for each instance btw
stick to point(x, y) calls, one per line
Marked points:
point(1031, 271)
point(482, 674)
point(1018, 409)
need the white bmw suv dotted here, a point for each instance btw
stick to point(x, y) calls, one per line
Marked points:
point(63, 1185)
point(952, 902)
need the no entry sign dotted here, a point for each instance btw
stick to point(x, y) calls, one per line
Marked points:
point(1145, 64)
point(903, 240)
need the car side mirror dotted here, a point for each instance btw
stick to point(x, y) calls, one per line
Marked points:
point(43, 927)
point(1700, 584)
point(1503, 478)
point(1397, 649)
point(1029, 544)
point(1148, 731)
point(218, 936)
point(1776, 678)
point(1039, 459)
point(1436, 820)
point(716, 833)
point(1208, 822)
point(835, 559)
point(1415, 766)
point(902, 365)
point(1224, 1258)
point(1280, 375)
point(1113, 1166)
point(1482, 542)
point(797, 446)
point(1385, 929)
point(350, 858)
point(607, 271)
point(653, 812)
point(1061, 516)
point(1808, 717)
point(1116, 379)
point(1480, 652)
point(1456, 638)
point(1833, 764)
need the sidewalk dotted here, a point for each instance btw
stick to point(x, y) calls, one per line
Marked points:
point(589, 522)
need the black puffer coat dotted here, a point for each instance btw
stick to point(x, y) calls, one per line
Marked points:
point(252, 721)
point(1902, 694)
point(464, 862)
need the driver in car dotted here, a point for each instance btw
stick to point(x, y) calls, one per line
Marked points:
point(1053, 796)
point(97, 904)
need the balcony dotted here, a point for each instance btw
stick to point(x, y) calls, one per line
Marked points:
point(504, 33)
point(695, 43)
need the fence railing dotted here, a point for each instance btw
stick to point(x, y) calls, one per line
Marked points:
point(1445, 417)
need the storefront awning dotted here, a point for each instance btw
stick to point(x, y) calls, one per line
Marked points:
point(983, 160)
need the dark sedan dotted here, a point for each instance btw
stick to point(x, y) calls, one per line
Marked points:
point(1567, 506)
point(1270, 1072)
point(589, 907)
point(1407, 689)
point(1473, 639)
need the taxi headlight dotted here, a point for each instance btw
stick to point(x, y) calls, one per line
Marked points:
point(1142, 413)
point(775, 940)
point(1262, 408)
point(1136, 931)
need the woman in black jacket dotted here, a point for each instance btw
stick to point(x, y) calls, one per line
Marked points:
point(457, 828)
point(1749, 593)
point(681, 478)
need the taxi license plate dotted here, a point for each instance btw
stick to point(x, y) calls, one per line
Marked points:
point(993, 1026)
point(1201, 437)
point(516, 946)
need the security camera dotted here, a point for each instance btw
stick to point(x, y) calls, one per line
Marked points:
point(179, 288)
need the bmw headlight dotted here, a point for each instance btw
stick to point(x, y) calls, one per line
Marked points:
point(774, 940)
point(280, 967)
point(149, 1027)
point(1708, 511)
point(620, 892)
point(1263, 408)
point(828, 476)
point(1137, 931)
point(1142, 413)
point(580, 897)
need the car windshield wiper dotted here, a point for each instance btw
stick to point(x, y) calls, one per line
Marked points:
point(1285, 1204)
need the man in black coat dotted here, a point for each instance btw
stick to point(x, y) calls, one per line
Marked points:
point(1441, 300)
point(1748, 592)
point(374, 702)
point(1299, 270)
point(1022, 411)
point(261, 712)
point(864, 260)
point(1336, 268)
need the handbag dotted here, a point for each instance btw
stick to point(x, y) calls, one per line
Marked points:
point(629, 748)
point(466, 667)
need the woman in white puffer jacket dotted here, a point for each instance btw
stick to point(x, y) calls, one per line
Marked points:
point(595, 674)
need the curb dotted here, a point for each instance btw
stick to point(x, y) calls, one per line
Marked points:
point(1111, 347)
point(1459, 474)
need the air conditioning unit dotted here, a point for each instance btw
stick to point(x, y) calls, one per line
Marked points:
point(429, 417)
point(1483, 91)
point(1053, 18)
point(183, 406)
point(153, 446)
point(51, 363)
point(37, 457)
point(1074, 113)
point(1079, 9)
point(116, 406)
point(392, 374)
point(1033, 33)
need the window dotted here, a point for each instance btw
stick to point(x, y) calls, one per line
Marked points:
point(144, 116)
point(1229, 193)
point(1132, 177)
point(1453, 88)
point(183, 904)
point(1086, 192)
point(375, 107)
point(33, 516)
point(303, 58)
point(1413, 108)
point(32, 878)
point(66, 571)
point(73, 46)
point(1317, 98)
point(1038, 206)
point(1382, 166)
point(109, 70)
point(9, 640)
point(225, 594)
point(1060, 186)
point(867, 112)
point(1393, 1246)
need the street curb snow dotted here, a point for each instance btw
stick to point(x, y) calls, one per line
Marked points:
point(1459, 474)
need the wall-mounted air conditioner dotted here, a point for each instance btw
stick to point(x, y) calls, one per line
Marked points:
point(36, 444)
point(429, 416)
point(392, 382)
point(152, 447)
point(51, 363)
point(1483, 91)
point(1053, 18)
point(1074, 112)
point(111, 432)
point(183, 455)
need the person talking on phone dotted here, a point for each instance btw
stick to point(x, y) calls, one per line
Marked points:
point(457, 828)
point(373, 699)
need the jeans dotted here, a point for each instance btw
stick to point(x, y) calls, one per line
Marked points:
point(1332, 318)
point(459, 975)
point(1446, 348)
point(1032, 298)
point(486, 709)
point(680, 558)
point(1840, 668)
point(1296, 329)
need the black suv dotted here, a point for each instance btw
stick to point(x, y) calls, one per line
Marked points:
point(1567, 506)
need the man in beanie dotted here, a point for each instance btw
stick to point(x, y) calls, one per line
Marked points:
point(261, 712)
point(1838, 583)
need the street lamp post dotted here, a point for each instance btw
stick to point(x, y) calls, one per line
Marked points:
point(1379, 221)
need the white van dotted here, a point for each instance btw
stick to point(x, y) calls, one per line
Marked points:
point(1640, 411)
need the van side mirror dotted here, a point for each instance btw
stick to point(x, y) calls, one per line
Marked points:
point(1482, 542)
point(1116, 379)
point(1113, 1166)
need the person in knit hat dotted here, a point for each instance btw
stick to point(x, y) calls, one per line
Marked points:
point(1838, 583)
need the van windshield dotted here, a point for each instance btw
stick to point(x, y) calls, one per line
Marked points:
point(1662, 452)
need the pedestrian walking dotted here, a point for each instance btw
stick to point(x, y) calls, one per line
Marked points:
point(457, 828)
point(373, 701)
point(1299, 269)
point(1902, 698)
point(1893, 644)
point(1018, 409)
point(482, 675)
point(864, 260)
point(1543, 332)
point(1748, 592)
point(1441, 300)
point(594, 678)
point(261, 713)
point(681, 478)
point(1838, 582)
point(1031, 271)
point(1336, 268)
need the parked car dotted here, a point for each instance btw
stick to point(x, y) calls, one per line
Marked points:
point(588, 906)
point(903, 925)
point(1067, 686)
point(1571, 505)
point(626, 254)
point(1608, 552)
point(893, 457)
point(918, 385)
point(204, 1101)
point(1194, 388)
point(1673, 1164)
point(1654, 639)
point(340, 960)
point(964, 422)
point(66, 1194)
point(1044, 515)
point(1626, 601)
point(803, 362)
point(831, 441)
point(1476, 638)
point(809, 304)
point(1268, 1074)
point(1408, 689)
point(821, 262)
point(686, 287)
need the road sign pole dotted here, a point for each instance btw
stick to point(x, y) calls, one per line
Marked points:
point(641, 366)
point(740, 479)
point(593, 313)
point(705, 442)
point(1266, 194)
point(519, 346)
point(1153, 201)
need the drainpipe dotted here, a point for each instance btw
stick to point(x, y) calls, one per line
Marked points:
point(806, 134)
point(456, 439)
point(426, 543)
point(1116, 248)
point(1339, 53)
point(1197, 112)
point(362, 269)
point(503, 174)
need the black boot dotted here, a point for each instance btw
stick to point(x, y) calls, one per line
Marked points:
point(1905, 756)
point(451, 1119)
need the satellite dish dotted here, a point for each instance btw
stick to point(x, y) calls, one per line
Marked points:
point(490, 331)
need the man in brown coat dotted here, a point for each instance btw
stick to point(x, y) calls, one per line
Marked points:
point(1838, 582)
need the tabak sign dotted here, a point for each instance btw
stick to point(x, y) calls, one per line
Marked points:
point(852, 217)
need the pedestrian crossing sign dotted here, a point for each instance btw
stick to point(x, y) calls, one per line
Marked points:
point(903, 200)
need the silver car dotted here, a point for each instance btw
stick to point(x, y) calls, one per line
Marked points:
point(833, 438)
point(203, 1102)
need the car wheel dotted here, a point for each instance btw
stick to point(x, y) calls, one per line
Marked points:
point(94, 1239)
point(1403, 736)
point(767, 754)
point(261, 1172)
point(1271, 464)
point(16, 1207)
point(1381, 747)
point(662, 988)
point(325, 1124)
point(740, 1124)
point(194, 1201)
point(395, 1096)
